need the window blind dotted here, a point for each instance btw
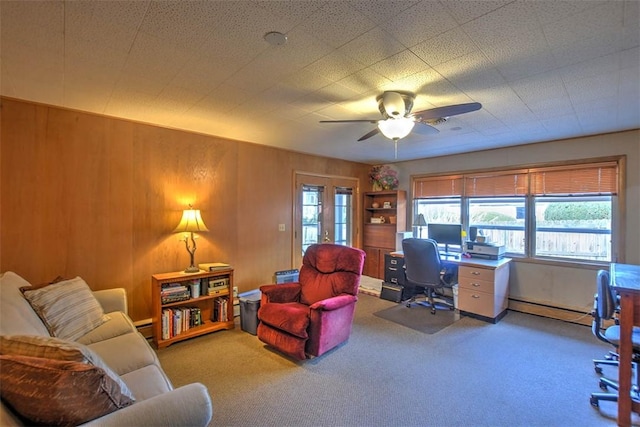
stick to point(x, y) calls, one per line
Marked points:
point(576, 180)
point(496, 184)
point(447, 186)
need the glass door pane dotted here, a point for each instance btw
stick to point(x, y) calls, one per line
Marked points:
point(311, 215)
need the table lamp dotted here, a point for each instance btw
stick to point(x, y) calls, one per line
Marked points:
point(420, 222)
point(191, 222)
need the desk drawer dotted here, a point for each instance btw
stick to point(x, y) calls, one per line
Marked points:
point(475, 273)
point(480, 303)
point(476, 285)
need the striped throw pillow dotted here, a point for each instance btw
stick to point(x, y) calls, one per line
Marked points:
point(67, 308)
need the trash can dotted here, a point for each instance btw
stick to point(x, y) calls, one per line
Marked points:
point(454, 289)
point(249, 305)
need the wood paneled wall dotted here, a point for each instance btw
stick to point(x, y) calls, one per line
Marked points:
point(97, 197)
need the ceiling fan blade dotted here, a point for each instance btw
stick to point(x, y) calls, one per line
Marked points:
point(369, 135)
point(422, 128)
point(350, 121)
point(448, 111)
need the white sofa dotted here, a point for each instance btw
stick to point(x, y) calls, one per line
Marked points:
point(124, 350)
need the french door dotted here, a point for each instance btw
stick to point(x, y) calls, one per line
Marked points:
point(325, 212)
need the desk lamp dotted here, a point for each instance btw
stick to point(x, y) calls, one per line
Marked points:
point(191, 222)
point(420, 222)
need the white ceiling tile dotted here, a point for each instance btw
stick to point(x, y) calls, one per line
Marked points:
point(502, 24)
point(364, 81)
point(592, 88)
point(335, 66)
point(381, 11)
point(567, 124)
point(34, 24)
point(300, 50)
point(552, 10)
point(592, 22)
point(337, 23)
point(539, 88)
point(399, 66)
point(444, 47)
point(586, 49)
point(372, 46)
point(465, 11)
point(420, 22)
point(471, 72)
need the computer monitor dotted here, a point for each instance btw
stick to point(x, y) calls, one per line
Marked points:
point(446, 234)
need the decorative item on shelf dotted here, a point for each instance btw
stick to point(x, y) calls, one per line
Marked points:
point(392, 219)
point(386, 205)
point(383, 177)
point(420, 222)
point(379, 220)
point(375, 205)
point(191, 222)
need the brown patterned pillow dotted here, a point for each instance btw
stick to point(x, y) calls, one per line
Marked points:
point(58, 393)
point(67, 308)
point(57, 349)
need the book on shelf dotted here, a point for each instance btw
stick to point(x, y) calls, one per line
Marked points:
point(174, 292)
point(220, 310)
point(213, 266)
point(175, 321)
point(218, 286)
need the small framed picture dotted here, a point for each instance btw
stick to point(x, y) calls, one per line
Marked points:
point(386, 205)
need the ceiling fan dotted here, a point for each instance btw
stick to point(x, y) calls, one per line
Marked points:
point(398, 121)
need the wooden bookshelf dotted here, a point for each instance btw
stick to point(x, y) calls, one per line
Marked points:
point(213, 313)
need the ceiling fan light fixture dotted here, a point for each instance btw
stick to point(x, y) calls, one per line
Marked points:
point(396, 128)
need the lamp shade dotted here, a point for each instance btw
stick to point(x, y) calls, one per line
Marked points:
point(396, 128)
point(420, 221)
point(191, 222)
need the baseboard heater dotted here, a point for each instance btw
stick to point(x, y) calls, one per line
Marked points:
point(552, 312)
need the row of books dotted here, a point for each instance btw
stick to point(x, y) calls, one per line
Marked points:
point(174, 292)
point(179, 320)
point(220, 310)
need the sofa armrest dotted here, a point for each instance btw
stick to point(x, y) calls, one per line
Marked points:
point(112, 300)
point(334, 303)
point(286, 292)
point(189, 405)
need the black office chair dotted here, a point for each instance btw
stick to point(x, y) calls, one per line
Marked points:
point(605, 307)
point(424, 271)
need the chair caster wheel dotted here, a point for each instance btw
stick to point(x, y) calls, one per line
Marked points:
point(598, 370)
point(451, 308)
point(594, 402)
point(603, 386)
point(433, 311)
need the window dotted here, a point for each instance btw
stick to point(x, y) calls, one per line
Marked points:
point(311, 210)
point(556, 212)
point(439, 200)
point(500, 220)
point(342, 219)
point(573, 211)
point(578, 227)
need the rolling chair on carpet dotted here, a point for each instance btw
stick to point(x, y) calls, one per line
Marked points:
point(605, 307)
point(423, 270)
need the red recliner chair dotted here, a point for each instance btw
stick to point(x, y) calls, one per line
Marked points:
point(315, 314)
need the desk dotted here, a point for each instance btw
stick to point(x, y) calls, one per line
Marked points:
point(625, 280)
point(483, 286)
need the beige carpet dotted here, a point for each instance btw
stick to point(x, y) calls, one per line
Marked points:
point(523, 371)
